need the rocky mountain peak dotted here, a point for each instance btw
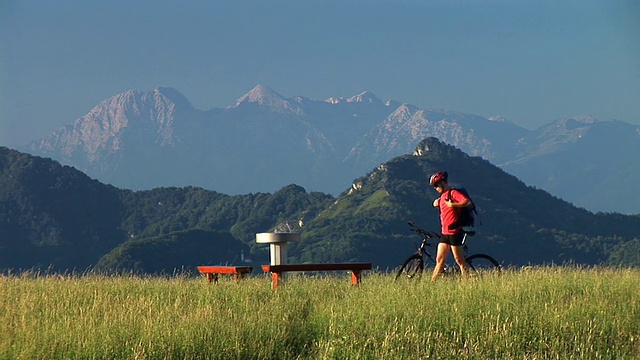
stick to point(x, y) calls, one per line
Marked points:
point(147, 116)
point(429, 145)
point(265, 96)
point(334, 100)
point(262, 95)
point(142, 101)
point(404, 111)
point(365, 97)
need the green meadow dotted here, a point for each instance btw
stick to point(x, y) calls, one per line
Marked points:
point(533, 313)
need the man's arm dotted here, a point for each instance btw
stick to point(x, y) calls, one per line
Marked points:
point(458, 201)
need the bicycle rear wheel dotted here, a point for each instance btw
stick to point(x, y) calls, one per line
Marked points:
point(411, 268)
point(482, 263)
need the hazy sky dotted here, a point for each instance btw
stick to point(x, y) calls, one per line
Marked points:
point(530, 61)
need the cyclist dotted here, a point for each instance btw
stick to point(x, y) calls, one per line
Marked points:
point(452, 235)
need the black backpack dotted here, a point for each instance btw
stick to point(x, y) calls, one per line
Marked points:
point(466, 215)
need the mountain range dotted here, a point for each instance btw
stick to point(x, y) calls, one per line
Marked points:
point(147, 139)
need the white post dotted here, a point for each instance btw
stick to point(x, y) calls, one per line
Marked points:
point(278, 254)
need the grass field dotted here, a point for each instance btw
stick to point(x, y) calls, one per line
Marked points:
point(537, 313)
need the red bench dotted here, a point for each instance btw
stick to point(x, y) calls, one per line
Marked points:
point(355, 268)
point(212, 272)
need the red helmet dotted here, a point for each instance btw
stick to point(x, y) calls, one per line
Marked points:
point(437, 177)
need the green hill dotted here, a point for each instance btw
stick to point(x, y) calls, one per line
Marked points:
point(519, 224)
point(54, 217)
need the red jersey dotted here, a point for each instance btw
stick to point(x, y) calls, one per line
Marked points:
point(449, 215)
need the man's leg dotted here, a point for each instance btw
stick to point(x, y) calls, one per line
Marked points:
point(441, 257)
point(458, 255)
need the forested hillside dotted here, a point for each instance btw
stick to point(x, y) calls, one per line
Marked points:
point(54, 217)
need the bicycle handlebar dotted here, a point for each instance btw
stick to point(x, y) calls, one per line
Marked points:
point(420, 231)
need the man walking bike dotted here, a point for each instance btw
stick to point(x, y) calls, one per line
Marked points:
point(450, 202)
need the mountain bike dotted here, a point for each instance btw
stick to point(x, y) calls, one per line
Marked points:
point(414, 265)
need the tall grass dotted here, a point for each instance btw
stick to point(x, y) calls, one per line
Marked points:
point(540, 313)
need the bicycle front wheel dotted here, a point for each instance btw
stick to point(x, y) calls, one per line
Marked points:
point(411, 268)
point(483, 263)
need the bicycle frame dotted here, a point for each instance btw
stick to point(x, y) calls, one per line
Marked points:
point(415, 263)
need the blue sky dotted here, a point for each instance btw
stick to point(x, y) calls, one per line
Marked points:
point(530, 61)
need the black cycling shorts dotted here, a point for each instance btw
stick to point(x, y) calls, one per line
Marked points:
point(453, 240)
